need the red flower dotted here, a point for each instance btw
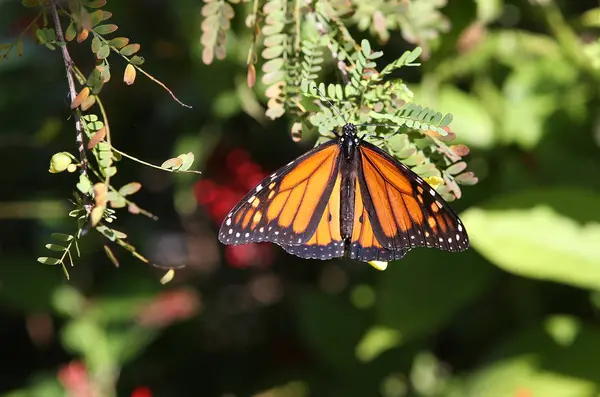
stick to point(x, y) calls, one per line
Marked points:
point(141, 391)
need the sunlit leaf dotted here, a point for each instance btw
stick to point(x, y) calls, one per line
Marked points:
point(111, 255)
point(48, 261)
point(130, 49)
point(167, 277)
point(130, 188)
point(173, 163)
point(106, 29)
point(539, 243)
point(78, 100)
point(129, 75)
point(62, 237)
point(55, 247)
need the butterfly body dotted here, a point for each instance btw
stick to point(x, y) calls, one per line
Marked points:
point(346, 197)
point(348, 144)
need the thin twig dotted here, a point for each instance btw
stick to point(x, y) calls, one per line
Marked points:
point(152, 165)
point(160, 83)
point(154, 79)
point(9, 49)
point(79, 139)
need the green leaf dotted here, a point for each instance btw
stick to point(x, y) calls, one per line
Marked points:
point(471, 119)
point(533, 363)
point(376, 341)
point(137, 60)
point(188, 160)
point(96, 44)
point(109, 171)
point(272, 52)
point(489, 10)
point(49, 261)
point(173, 163)
point(95, 81)
point(130, 188)
point(70, 33)
point(366, 47)
point(62, 237)
point(130, 49)
point(273, 65)
point(96, 3)
point(119, 42)
point(84, 185)
point(103, 52)
point(54, 247)
point(416, 53)
point(106, 29)
point(168, 276)
point(40, 33)
point(111, 255)
point(538, 243)
point(117, 201)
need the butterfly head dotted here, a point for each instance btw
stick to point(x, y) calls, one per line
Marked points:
point(348, 140)
point(349, 135)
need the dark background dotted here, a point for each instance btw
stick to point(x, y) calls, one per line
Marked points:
point(515, 316)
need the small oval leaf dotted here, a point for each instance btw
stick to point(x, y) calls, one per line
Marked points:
point(48, 261)
point(130, 49)
point(130, 188)
point(129, 75)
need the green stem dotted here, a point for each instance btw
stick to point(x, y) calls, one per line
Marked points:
point(150, 164)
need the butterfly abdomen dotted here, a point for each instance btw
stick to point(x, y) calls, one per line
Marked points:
point(348, 143)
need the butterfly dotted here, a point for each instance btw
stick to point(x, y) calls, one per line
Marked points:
point(346, 197)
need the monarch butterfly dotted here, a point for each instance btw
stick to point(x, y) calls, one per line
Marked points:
point(346, 197)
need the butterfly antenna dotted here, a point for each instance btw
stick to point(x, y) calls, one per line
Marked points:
point(331, 105)
point(379, 125)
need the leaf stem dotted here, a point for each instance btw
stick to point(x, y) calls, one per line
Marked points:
point(152, 165)
point(69, 64)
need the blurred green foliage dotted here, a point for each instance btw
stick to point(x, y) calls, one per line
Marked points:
point(515, 316)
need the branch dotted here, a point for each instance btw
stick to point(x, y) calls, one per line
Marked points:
point(72, 91)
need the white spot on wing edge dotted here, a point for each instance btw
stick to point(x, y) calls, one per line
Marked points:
point(230, 231)
point(460, 227)
point(228, 221)
point(432, 192)
point(251, 199)
point(258, 188)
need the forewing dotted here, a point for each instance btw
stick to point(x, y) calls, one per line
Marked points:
point(326, 242)
point(404, 210)
point(287, 206)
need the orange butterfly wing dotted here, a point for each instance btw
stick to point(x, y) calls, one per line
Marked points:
point(294, 207)
point(326, 242)
point(403, 211)
point(365, 246)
